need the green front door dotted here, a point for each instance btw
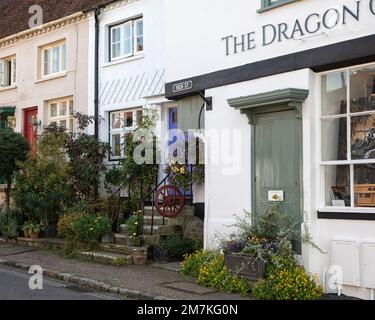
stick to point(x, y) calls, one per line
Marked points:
point(278, 162)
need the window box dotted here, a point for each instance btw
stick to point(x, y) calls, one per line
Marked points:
point(251, 268)
point(272, 4)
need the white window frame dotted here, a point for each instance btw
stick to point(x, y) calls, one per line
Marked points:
point(122, 130)
point(133, 24)
point(68, 117)
point(50, 63)
point(8, 77)
point(348, 162)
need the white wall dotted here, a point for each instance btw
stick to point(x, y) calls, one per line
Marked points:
point(227, 195)
point(133, 82)
point(195, 29)
point(29, 91)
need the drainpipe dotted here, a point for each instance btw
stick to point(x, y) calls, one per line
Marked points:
point(97, 13)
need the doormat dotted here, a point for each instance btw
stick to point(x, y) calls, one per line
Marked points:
point(188, 287)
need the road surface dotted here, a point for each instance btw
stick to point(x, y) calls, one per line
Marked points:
point(14, 285)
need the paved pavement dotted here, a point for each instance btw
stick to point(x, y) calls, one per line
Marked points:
point(155, 282)
point(14, 285)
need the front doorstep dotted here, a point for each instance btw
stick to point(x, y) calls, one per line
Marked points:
point(248, 267)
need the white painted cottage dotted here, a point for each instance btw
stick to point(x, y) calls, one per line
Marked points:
point(292, 84)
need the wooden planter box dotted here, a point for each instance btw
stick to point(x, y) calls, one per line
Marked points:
point(248, 267)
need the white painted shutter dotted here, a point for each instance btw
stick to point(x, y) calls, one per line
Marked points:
point(2, 73)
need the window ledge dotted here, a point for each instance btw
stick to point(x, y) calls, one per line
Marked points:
point(124, 60)
point(12, 87)
point(53, 77)
point(276, 5)
point(337, 213)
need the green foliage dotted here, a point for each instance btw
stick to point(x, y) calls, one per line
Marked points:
point(194, 262)
point(9, 224)
point(120, 261)
point(90, 228)
point(133, 226)
point(13, 149)
point(42, 188)
point(86, 162)
point(65, 225)
point(215, 275)
point(177, 247)
point(287, 280)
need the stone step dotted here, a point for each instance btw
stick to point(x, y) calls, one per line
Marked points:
point(187, 211)
point(161, 230)
point(121, 239)
point(124, 249)
point(115, 259)
point(158, 221)
point(151, 240)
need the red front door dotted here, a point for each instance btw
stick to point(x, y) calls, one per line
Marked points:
point(31, 116)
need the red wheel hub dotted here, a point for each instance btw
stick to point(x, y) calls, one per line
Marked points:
point(169, 201)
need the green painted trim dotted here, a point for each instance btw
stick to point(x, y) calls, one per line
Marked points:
point(270, 102)
point(266, 5)
point(7, 110)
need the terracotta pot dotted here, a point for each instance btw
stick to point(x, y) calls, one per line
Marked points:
point(34, 235)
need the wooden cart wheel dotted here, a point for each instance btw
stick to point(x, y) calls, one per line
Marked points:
point(169, 201)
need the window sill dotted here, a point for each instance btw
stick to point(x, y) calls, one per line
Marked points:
point(124, 60)
point(56, 76)
point(276, 5)
point(12, 87)
point(345, 213)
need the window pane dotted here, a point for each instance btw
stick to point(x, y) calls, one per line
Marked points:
point(129, 119)
point(1, 73)
point(139, 35)
point(63, 108)
point(63, 56)
point(46, 60)
point(364, 185)
point(116, 42)
point(334, 139)
point(363, 137)
point(128, 43)
point(71, 107)
point(63, 124)
point(334, 94)
point(139, 117)
point(56, 59)
point(362, 89)
point(337, 186)
point(53, 110)
point(116, 120)
point(71, 124)
point(116, 145)
point(14, 71)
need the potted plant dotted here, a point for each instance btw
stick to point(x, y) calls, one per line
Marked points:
point(26, 229)
point(258, 239)
point(35, 230)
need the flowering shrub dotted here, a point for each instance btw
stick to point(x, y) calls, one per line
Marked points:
point(216, 275)
point(89, 228)
point(133, 225)
point(208, 267)
point(179, 174)
point(65, 225)
point(287, 280)
point(194, 262)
